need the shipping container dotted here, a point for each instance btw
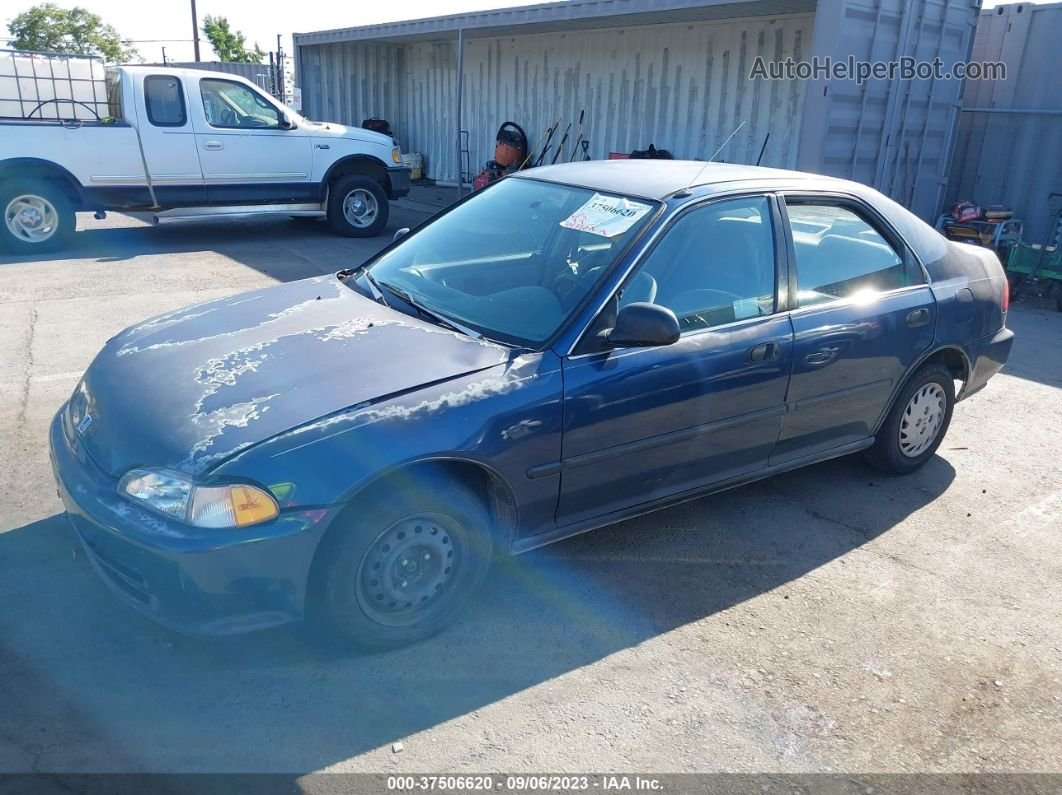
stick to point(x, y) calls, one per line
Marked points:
point(1009, 145)
point(674, 73)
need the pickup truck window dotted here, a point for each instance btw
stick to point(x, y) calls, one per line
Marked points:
point(164, 101)
point(230, 104)
point(114, 94)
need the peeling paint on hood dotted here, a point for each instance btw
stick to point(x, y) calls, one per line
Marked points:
point(190, 388)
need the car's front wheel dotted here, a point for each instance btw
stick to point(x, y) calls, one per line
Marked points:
point(38, 216)
point(357, 206)
point(917, 422)
point(402, 564)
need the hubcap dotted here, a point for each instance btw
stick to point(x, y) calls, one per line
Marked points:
point(30, 218)
point(408, 570)
point(922, 420)
point(360, 208)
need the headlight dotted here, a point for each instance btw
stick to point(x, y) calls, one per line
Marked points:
point(396, 155)
point(174, 495)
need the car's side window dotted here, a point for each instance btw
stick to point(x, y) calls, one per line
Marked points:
point(839, 254)
point(715, 265)
point(230, 104)
point(164, 101)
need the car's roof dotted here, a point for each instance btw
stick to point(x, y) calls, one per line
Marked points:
point(658, 179)
point(187, 74)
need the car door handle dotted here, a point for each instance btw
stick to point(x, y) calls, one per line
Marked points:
point(918, 317)
point(213, 146)
point(822, 355)
point(767, 352)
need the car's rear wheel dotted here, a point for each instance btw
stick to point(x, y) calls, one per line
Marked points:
point(916, 423)
point(37, 216)
point(357, 206)
point(401, 565)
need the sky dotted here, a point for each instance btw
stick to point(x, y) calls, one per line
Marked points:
point(260, 21)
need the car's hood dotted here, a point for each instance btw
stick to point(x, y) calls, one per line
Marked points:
point(333, 130)
point(188, 389)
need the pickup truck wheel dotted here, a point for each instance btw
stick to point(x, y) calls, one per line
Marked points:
point(357, 206)
point(38, 217)
point(401, 565)
point(916, 423)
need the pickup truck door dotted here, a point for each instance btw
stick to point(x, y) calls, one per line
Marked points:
point(168, 140)
point(248, 155)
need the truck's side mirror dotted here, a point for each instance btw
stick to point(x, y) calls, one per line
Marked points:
point(285, 122)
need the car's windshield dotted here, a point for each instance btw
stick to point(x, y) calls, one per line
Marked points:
point(515, 261)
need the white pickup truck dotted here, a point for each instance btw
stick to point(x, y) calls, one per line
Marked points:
point(178, 143)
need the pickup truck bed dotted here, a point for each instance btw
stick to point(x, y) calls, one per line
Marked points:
point(186, 142)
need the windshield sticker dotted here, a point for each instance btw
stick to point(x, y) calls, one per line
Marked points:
point(607, 216)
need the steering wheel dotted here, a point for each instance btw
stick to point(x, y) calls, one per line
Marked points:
point(228, 118)
point(253, 121)
point(565, 282)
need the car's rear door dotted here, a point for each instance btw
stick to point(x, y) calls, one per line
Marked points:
point(862, 313)
point(645, 423)
point(165, 128)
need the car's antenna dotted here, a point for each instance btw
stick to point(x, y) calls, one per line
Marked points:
point(685, 191)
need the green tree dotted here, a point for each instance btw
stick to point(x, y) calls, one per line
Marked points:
point(70, 31)
point(230, 45)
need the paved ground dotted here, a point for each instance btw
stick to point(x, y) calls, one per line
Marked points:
point(827, 619)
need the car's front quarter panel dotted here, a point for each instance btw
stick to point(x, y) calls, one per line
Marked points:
point(204, 581)
point(506, 419)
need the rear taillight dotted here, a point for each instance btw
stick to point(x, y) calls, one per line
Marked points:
point(1005, 305)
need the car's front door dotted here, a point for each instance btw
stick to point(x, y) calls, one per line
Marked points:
point(646, 423)
point(862, 314)
point(247, 153)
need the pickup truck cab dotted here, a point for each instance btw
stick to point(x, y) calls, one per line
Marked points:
point(183, 143)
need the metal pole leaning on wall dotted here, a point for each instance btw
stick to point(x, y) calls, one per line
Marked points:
point(457, 110)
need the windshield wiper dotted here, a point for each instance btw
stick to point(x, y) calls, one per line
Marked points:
point(374, 288)
point(430, 314)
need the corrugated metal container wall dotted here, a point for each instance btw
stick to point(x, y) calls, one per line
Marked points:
point(893, 134)
point(680, 86)
point(1014, 158)
point(347, 83)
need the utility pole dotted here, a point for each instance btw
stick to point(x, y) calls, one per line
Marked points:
point(195, 32)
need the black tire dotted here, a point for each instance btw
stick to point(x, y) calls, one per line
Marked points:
point(922, 426)
point(1014, 284)
point(24, 229)
point(363, 192)
point(429, 542)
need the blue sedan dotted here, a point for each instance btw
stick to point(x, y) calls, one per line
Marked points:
point(572, 346)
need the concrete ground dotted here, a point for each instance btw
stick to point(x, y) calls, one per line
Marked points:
point(828, 619)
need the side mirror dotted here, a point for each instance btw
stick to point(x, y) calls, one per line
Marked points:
point(642, 325)
point(400, 233)
point(285, 122)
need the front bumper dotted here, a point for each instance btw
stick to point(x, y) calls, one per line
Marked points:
point(987, 357)
point(194, 581)
point(399, 179)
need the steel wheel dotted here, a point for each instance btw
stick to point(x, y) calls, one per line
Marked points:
point(360, 208)
point(31, 218)
point(922, 419)
point(408, 569)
